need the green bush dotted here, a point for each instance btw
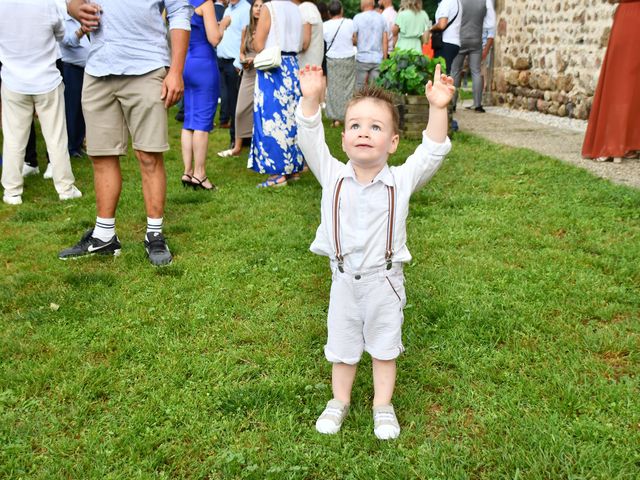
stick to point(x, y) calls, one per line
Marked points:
point(407, 71)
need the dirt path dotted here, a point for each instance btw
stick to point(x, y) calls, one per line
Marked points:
point(562, 143)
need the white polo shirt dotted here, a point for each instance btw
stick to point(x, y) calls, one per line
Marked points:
point(364, 208)
point(29, 32)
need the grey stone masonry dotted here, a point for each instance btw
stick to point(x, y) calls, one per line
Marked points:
point(548, 54)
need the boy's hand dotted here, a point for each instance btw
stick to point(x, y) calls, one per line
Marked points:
point(441, 90)
point(311, 83)
point(311, 86)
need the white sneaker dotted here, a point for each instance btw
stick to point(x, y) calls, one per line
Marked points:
point(48, 173)
point(12, 200)
point(29, 170)
point(72, 193)
point(385, 423)
point(331, 419)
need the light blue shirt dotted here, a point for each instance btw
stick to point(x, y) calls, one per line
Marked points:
point(229, 46)
point(132, 37)
point(74, 50)
point(369, 26)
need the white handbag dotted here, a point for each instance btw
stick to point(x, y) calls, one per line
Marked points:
point(269, 58)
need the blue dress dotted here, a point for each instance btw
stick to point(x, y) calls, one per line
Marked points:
point(274, 146)
point(201, 78)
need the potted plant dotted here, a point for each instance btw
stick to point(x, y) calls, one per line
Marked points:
point(405, 73)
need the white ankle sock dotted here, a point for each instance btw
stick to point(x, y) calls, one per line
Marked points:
point(105, 229)
point(154, 225)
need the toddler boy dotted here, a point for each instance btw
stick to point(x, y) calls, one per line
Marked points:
point(364, 208)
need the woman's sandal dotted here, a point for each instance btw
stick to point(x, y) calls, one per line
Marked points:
point(199, 184)
point(228, 153)
point(188, 181)
point(293, 177)
point(274, 182)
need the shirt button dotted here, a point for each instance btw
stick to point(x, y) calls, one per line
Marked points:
point(357, 277)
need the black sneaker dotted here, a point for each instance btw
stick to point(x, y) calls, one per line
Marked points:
point(157, 250)
point(89, 245)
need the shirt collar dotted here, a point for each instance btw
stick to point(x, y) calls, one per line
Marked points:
point(385, 176)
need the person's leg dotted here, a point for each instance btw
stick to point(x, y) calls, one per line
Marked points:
point(361, 75)
point(475, 60)
point(187, 155)
point(374, 72)
point(107, 181)
point(456, 73)
point(200, 148)
point(154, 189)
point(224, 111)
point(50, 109)
point(232, 83)
point(31, 153)
point(384, 381)
point(17, 116)
point(342, 378)
point(154, 182)
point(73, 107)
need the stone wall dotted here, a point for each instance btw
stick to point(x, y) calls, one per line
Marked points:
point(548, 54)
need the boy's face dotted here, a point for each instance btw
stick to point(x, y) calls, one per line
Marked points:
point(368, 138)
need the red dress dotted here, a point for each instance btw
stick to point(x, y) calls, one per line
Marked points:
point(614, 122)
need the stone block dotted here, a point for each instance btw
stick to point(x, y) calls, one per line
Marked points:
point(512, 77)
point(561, 63)
point(531, 104)
point(566, 84)
point(562, 111)
point(522, 63)
point(604, 38)
point(544, 81)
point(502, 26)
point(553, 108)
point(547, 95)
point(542, 106)
point(523, 78)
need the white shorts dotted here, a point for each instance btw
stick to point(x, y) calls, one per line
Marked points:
point(365, 314)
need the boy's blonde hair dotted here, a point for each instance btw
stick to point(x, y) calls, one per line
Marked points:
point(379, 95)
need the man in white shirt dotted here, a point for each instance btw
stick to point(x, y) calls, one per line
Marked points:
point(29, 31)
point(370, 35)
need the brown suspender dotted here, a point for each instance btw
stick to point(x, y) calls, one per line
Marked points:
point(388, 252)
point(336, 225)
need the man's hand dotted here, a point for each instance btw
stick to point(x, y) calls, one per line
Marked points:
point(172, 88)
point(88, 14)
point(441, 90)
point(311, 85)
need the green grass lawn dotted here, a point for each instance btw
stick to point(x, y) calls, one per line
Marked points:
point(522, 331)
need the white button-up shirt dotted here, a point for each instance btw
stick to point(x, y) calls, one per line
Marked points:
point(364, 209)
point(29, 31)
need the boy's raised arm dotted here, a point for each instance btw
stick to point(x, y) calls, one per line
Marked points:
point(428, 157)
point(310, 130)
point(439, 93)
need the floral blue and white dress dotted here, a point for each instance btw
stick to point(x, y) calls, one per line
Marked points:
point(274, 146)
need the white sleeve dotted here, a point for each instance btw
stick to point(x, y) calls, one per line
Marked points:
point(489, 21)
point(314, 148)
point(423, 163)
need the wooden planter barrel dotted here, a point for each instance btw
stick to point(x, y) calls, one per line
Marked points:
point(414, 115)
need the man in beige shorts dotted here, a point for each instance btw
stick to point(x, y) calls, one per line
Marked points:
point(127, 90)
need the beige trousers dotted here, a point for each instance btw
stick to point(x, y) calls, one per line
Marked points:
point(17, 115)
